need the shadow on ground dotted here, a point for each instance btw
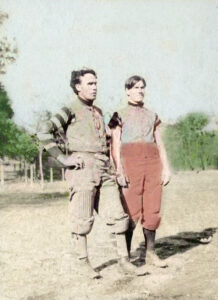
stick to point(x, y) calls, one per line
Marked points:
point(180, 243)
point(106, 264)
point(170, 245)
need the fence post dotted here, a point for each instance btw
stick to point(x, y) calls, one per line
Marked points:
point(51, 174)
point(25, 171)
point(34, 172)
point(31, 174)
point(41, 168)
point(62, 172)
point(2, 175)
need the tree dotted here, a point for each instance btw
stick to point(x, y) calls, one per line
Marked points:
point(14, 142)
point(189, 146)
point(5, 106)
point(8, 51)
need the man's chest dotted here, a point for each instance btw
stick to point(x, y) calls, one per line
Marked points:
point(87, 120)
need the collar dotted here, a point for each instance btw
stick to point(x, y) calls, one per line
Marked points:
point(86, 102)
point(139, 104)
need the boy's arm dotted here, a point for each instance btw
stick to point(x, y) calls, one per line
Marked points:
point(122, 179)
point(166, 173)
point(116, 147)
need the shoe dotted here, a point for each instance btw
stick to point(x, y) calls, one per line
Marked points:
point(153, 259)
point(84, 268)
point(132, 256)
point(144, 270)
point(129, 268)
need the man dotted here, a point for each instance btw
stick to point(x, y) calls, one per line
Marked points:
point(140, 157)
point(88, 170)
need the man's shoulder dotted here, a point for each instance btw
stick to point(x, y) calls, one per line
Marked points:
point(98, 110)
point(71, 108)
point(68, 109)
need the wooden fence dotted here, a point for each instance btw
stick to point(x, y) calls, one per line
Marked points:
point(21, 171)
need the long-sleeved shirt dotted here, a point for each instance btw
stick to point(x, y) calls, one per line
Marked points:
point(82, 126)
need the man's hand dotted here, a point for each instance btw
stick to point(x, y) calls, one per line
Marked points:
point(71, 161)
point(122, 179)
point(166, 176)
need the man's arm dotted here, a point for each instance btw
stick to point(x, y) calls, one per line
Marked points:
point(48, 129)
point(166, 173)
point(46, 135)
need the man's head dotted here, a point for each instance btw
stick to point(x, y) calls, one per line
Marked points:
point(84, 84)
point(135, 89)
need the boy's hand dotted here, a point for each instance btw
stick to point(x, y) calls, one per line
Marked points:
point(166, 176)
point(71, 161)
point(122, 179)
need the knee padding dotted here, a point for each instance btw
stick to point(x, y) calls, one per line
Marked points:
point(118, 224)
point(82, 226)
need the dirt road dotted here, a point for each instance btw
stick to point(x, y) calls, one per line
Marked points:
point(36, 257)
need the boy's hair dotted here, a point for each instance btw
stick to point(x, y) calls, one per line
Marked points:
point(131, 81)
point(75, 77)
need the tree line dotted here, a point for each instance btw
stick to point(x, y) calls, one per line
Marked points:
point(188, 145)
point(15, 142)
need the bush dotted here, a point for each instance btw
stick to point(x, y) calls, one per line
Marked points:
point(189, 147)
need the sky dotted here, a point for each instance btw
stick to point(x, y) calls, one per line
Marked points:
point(172, 43)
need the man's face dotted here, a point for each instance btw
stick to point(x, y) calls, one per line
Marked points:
point(87, 88)
point(136, 93)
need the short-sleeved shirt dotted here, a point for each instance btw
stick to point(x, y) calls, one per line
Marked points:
point(138, 124)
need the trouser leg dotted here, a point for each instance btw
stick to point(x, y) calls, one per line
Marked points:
point(132, 196)
point(152, 194)
point(81, 217)
point(81, 211)
point(82, 198)
point(81, 220)
point(111, 209)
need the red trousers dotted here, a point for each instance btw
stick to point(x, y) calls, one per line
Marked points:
point(142, 198)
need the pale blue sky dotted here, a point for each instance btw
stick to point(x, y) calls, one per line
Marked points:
point(172, 43)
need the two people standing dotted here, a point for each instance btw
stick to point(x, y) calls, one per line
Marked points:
point(91, 178)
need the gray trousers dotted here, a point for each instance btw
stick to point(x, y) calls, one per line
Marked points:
point(94, 186)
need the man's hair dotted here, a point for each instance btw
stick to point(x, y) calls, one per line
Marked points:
point(131, 81)
point(75, 77)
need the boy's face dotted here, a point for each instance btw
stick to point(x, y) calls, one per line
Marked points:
point(136, 93)
point(87, 88)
